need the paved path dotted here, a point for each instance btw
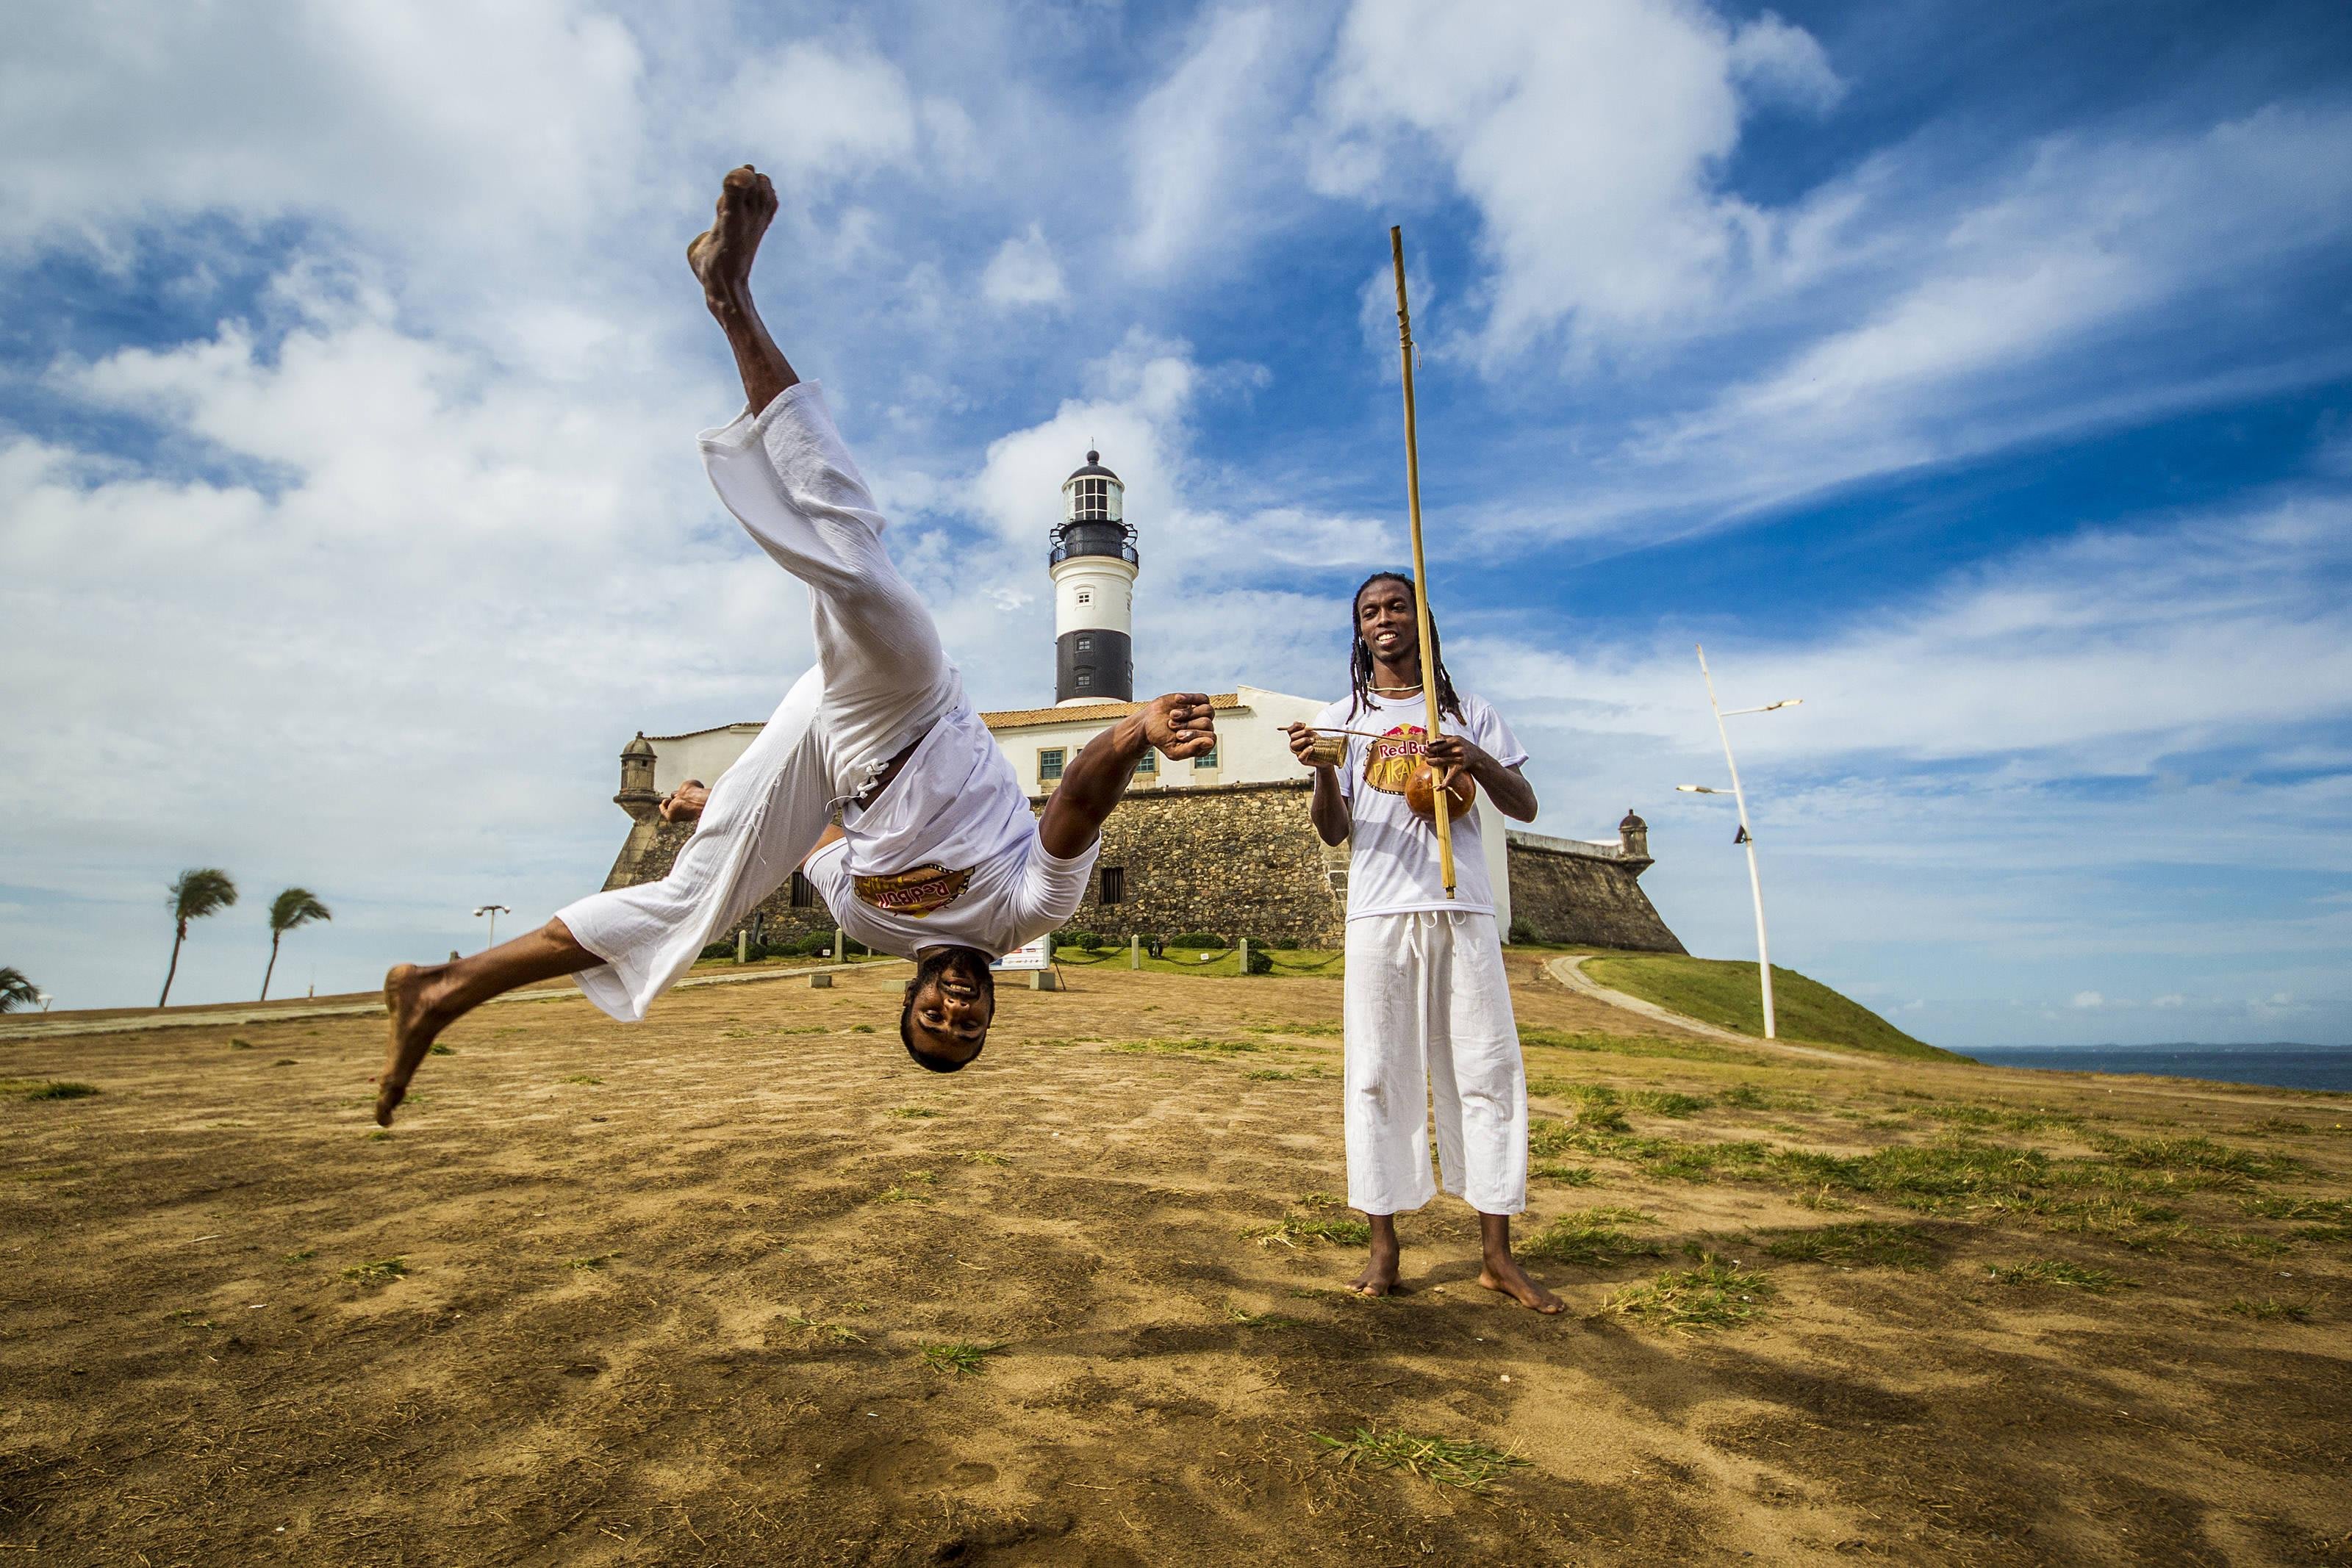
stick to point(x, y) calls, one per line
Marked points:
point(40, 1026)
point(1569, 971)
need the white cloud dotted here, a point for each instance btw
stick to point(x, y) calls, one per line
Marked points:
point(1024, 272)
point(496, 123)
point(826, 115)
point(2169, 999)
point(2087, 1000)
point(1775, 60)
point(1591, 138)
point(1196, 140)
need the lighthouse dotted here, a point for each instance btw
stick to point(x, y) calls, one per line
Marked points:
point(1094, 564)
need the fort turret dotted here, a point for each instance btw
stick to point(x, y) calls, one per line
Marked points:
point(1093, 565)
point(637, 796)
point(1634, 838)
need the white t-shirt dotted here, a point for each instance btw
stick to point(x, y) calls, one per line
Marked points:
point(949, 855)
point(1392, 867)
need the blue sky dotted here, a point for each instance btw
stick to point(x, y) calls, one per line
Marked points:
point(1985, 380)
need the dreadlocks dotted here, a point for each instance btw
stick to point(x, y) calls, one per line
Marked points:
point(1360, 657)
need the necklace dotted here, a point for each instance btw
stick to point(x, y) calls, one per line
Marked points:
point(1392, 691)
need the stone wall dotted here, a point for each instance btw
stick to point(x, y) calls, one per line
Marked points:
point(1558, 895)
point(1242, 860)
point(1235, 860)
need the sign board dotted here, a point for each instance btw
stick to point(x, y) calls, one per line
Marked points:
point(1037, 955)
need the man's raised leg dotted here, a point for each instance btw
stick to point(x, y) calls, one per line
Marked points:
point(721, 258)
point(426, 999)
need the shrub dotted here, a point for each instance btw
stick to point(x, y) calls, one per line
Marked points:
point(1196, 939)
point(1259, 963)
point(1084, 941)
point(811, 945)
point(720, 950)
point(1523, 932)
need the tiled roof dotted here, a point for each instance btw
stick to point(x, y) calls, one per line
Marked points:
point(1029, 718)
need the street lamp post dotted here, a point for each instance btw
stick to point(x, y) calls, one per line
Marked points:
point(1746, 835)
point(495, 910)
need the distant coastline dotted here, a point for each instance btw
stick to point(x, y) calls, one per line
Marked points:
point(2278, 1064)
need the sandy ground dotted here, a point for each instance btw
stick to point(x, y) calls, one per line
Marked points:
point(661, 1294)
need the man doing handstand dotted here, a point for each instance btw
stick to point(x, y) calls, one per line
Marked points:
point(936, 857)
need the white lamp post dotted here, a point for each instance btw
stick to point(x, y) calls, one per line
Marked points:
point(495, 910)
point(1746, 836)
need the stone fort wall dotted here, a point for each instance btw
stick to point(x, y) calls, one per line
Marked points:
point(1239, 860)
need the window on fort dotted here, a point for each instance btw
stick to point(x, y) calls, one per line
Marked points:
point(804, 893)
point(1085, 644)
point(1086, 678)
point(1049, 763)
point(1114, 884)
point(1086, 597)
point(1206, 761)
point(1150, 763)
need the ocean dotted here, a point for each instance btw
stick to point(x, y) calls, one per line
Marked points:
point(2281, 1066)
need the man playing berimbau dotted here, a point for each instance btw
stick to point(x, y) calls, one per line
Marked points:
point(936, 857)
point(1428, 1006)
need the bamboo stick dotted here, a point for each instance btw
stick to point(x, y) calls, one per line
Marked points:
point(1420, 571)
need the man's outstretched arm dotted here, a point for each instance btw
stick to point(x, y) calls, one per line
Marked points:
point(721, 258)
point(1178, 724)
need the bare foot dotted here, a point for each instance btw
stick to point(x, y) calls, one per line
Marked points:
point(1380, 1275)
point(1504, 1276)
point(406, 991)
point(722, 255)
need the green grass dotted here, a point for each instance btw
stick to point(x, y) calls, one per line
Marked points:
point(982, 1158)
point(2196, 1156)
point(1441, 1461)
point(909, 1189)
point(583, 1078)
point(1666, 1102)
point(47, 1088)
point(382, 1271)
point(240, 1045)
point(1342, 1229)
point(914, 1112)
point(304, 1256)
point(2270, 1308)
point(1187, 1047)
point(2027, 1119)
point(437, 1048)
point(1594, 1237)
point(1717, 1294)
point(1865, 1244)
point(1249, 1320)
point(1634, 1045)
point(1567, 1174)
point(598, 1261)
point(838, 1333)
point(2053, 1272)
point(1724, 992)
point(1269, 1075)
point(967, 1360)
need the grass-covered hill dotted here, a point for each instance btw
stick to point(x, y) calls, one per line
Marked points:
point(1724, 993)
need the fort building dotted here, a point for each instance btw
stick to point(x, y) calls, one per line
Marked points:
point(1220, 843)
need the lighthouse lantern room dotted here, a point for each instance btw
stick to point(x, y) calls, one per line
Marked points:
point(1094, 564)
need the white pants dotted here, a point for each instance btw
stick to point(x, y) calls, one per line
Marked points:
point(1429, 1018)
point(881, 681)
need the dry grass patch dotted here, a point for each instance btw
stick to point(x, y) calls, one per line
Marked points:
point(1441, 1461)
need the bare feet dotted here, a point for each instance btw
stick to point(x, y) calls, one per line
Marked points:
point(406, 998)
point(1504, 1276)
point(1380, 1275)
point(722, 255)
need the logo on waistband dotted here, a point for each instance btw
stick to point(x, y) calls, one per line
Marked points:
point(1389, 761)
point(913, 893)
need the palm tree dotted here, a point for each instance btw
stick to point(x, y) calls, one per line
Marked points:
point(295, 906)
point(205, 890)
point(15, 991)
